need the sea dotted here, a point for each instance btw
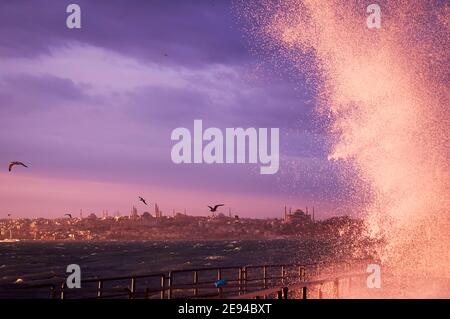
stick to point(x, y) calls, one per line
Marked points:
point(33, 262)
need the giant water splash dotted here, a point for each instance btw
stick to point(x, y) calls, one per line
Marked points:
point(386, 92)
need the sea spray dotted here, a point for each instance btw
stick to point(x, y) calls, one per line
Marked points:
point(386, 94)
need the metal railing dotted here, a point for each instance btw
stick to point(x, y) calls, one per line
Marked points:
point(303, 290)
point(259, 281)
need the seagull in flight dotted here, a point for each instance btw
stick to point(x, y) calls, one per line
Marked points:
point(214, 209)
point(142, 200)
point(70, 215)
point(12, 164)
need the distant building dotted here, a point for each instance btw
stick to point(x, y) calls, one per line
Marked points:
point(92, 216)
point(297, 217)
point(134, 213)
point(182, 216)
point(147, 215)
point(158, 212)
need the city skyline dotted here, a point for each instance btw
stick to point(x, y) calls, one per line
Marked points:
point(156, 212)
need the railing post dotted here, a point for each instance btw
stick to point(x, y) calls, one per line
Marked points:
point(245, 279)
point(336, 287)
point(170, 285)
point(99, 289)
point(301, 273)
point(304, 292)
point(133, 288)
point(195, 290)
point(285, 292)
point(240, 281)
point(63, 293)
point(282, 275)
point(265, 277)
point(279, 294)
point(163, 291)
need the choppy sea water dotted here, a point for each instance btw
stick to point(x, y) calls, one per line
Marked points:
point(24, 263)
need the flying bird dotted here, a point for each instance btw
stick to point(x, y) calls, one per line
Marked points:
point(70, 215)
point(12, 164)
point(214, 209)
point(142, 200)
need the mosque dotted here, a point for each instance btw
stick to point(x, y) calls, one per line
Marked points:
point(298, 216)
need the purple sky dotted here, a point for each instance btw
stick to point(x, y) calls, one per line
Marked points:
point(91, 112)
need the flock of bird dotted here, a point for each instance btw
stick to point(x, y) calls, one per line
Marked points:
point(17, 163)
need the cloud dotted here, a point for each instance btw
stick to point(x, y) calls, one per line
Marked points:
point(99, 104)
point(46, 92)
point(166, 32)
point(89, 112)
point(99, 71)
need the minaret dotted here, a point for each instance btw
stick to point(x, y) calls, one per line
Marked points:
point(313, 214)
